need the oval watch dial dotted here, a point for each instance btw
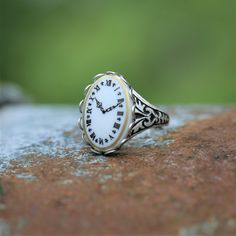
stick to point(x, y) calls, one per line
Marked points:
point(107, 113)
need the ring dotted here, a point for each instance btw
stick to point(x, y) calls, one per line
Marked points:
point(113, 112)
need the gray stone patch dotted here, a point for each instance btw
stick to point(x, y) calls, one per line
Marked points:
point(38, 130)
point(67, 181)
point(82, 172)
point(4, 228)
point(25, 176)
point(209, 228)
point(203, 229)
point(90, 158)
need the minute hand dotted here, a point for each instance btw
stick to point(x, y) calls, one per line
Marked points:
point(112, 107)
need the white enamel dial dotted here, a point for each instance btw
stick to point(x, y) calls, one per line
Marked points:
point(107, 113)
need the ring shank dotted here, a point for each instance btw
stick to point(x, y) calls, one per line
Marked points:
point(146, 115)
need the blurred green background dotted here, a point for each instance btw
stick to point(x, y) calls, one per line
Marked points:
point(171, 51)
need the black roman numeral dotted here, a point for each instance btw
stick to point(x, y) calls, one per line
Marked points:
point(93, 136)
point(89, 110)
point(108, 82)
point(111, 137)
point(91, 98)
point(97, 88)
point(116, 125)
point(120, 100)
point(120, 113)
point(88, 122)
point(101, 141)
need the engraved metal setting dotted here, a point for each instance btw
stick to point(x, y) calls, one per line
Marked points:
point(144, 116)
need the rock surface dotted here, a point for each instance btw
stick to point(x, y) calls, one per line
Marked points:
point(180, 180)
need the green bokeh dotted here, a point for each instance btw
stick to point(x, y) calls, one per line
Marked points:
point(170, 51)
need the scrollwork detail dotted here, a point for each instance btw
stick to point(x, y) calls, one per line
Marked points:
point(146, 117)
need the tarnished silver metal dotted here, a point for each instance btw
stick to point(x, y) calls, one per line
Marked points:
point(144, 115)
point(87, 89)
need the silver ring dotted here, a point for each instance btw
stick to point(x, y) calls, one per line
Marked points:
point(113, 112)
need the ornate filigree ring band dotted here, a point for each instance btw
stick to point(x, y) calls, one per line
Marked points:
point(113, 112)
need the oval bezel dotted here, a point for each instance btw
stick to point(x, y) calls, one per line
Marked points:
point(129, 118)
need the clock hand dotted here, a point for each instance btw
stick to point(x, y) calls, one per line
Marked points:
point(112, 107)
point(99, 105)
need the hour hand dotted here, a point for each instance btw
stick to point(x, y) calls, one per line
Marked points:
point(99, 105)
